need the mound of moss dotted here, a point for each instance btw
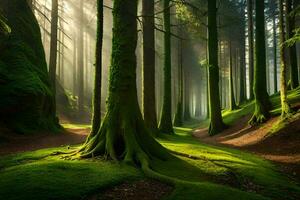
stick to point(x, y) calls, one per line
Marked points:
point(26, 97)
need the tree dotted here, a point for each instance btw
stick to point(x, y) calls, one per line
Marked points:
point(178, 119)
point(232, 102)
point(53, 45)
point(290, 26)
point(80, 63)
point(275, 52)
point(165, 125)
point(216, 121)
point(285, 107)
point(96, 121)
point(149, 101)
point(262, 104)
point(123, 134)
point(251, 46)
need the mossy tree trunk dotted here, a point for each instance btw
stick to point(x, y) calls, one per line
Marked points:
point(262, 103)
point(149, 100)
point(290, 26)
point(232, 105)
point(98, 70)
point(251, 46)
point(216, 121)
point(53, 45)
point(285, 107)
point(123, 135)
point(275, 52)
point(165, 125)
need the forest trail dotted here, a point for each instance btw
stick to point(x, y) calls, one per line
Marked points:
point(282, 148)
point(16, 143)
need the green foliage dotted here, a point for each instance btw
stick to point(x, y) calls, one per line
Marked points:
point(26, 102)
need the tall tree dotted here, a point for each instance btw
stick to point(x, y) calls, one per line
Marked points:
point(53, 45)
point(149, 100)
point(98, 71)
point(80, 61)
point(178, 119)
point(290, 27)
point(216, 121)
point(165, 124)
point(262, 104)
point(251, 46)
point(275, 52)
point(123, 134)
point(232, 105)
point(285, 107)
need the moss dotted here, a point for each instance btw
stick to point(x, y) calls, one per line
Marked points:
point(26, 102)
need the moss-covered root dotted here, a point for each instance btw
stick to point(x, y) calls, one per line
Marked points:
point(123, 137)
point(261, 115)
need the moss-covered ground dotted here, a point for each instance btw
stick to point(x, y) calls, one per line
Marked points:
point(204, 172)
point(200, 171)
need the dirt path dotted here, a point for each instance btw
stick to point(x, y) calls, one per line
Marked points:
point(283, 148)
point(15, 143)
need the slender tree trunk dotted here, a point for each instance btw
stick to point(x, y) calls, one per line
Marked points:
point(96, 121)
point(275, 52)
point(187, 94)
point(242, 62)
point(149, 100)
point(178, 119)
point(123, 135)
point(80, 61)
point(74, 64)
point(285, 107)
point(262, 103)
point(251, 47)
point(165, 124)
point(53, 46)
point(232, 105)
point(216, 121)
point(290, 26)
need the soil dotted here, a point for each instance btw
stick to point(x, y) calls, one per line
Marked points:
point(282, 149)
point(16, 143)
point(144, 189)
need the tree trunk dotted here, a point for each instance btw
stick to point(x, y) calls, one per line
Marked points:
point(187, 94)
point(123, 134)
point(96, 121)
point(149, 100)
point(262, 103)
point(275, 53)
point(216, 121)
point(80, 61)
point(285, 107)
point(178, 119)
point(232, 105)
point(290, 26)
point(53, 46)
point(165, 124)
point(251, 47)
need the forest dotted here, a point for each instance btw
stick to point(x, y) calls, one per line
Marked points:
point(149, 99)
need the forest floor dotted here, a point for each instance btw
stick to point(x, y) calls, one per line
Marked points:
point(233, 165)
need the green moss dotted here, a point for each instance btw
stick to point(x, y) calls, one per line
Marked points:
point(26, 102)
point(218, 173)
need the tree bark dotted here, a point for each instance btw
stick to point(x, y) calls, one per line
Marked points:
point(275, 53)
point(80, 61)
point(285, 107)
point(96, 120)
point(53, 46)
point(262, 103)
point(216, 121)
point(232, 105)
point(149, 100)
point(251, 46)
point(165, 125)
